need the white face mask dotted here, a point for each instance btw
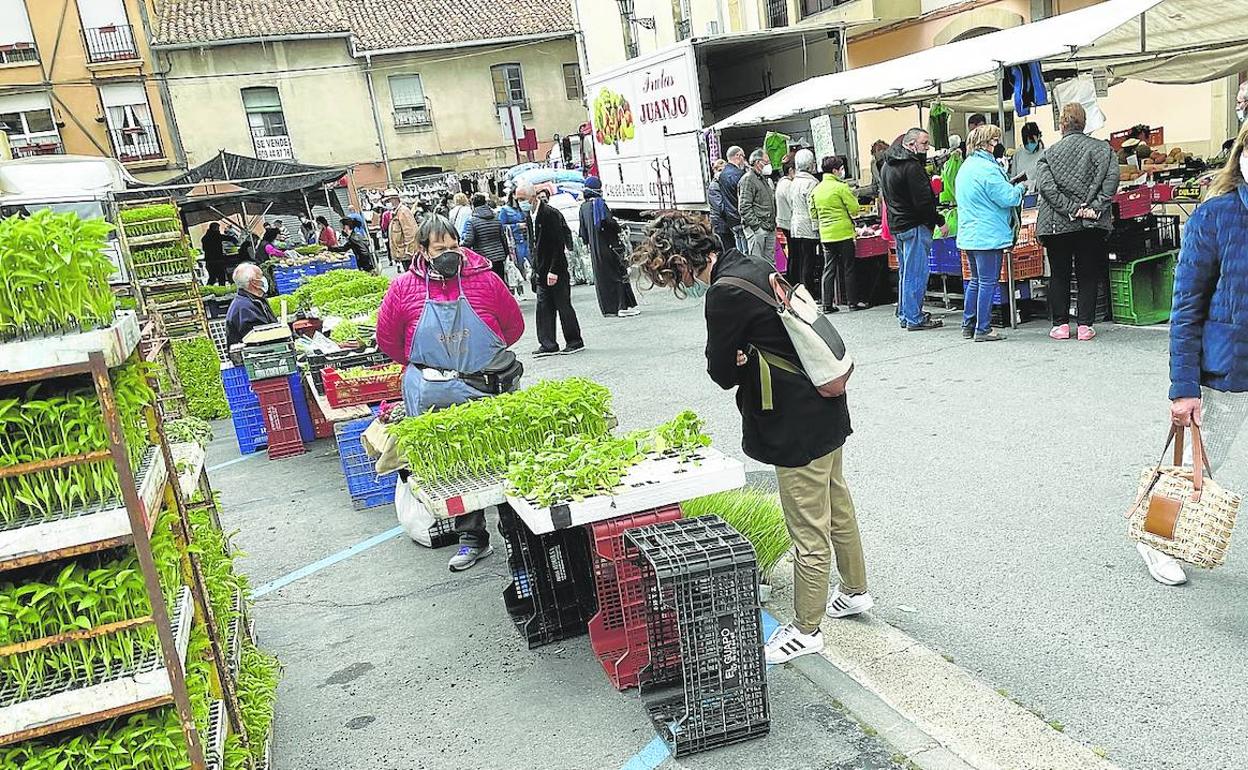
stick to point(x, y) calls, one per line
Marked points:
point(264, 286)
point(767, 170)
point(1243, 165)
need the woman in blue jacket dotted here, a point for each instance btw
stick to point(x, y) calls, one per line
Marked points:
point(514, 217)
point(1209, 327)
point(986, 202)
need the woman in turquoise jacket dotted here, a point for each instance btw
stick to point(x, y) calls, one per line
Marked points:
point(986, 203)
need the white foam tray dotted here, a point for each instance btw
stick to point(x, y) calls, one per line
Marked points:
point(214, 741)
point(192, 455)
point(105, 524)
point(652, 483)
point(448, 499)
point(116, 342)
point(107, 696)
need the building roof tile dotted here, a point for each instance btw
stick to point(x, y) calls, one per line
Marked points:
point(374, 25)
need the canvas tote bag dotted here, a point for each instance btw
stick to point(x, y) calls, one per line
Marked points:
point(1182, 511)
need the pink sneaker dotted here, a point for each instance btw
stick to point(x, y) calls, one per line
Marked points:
point(1060, 332)
point(1086, 333)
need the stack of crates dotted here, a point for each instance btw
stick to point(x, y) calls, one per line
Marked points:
point(216, 330)
point(1142, 292)
point(551, 596)
point(281, 421)
point(249, 427)
point(618, 633)
point(706, 685)
point(365, 487)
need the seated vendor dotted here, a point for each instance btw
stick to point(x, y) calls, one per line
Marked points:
point(249, 308)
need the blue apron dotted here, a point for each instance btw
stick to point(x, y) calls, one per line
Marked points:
point(453, 338)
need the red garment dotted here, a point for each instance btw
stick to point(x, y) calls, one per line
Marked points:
point(329, 238)
point(386, 216)
point(405, 301)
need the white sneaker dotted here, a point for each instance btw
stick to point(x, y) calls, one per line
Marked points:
point(629, 313)
point(788, 642)
point(842, 605)
point(1164, 569)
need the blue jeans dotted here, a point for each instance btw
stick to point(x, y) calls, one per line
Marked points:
point(914, 249)
point(985, 271)
point(742, 244)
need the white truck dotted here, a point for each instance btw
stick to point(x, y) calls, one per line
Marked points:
point(650, 116)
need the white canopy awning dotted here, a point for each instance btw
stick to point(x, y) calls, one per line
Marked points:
point(1179, 41)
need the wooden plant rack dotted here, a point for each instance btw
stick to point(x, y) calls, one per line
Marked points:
point(186, 317)
point(158, 681)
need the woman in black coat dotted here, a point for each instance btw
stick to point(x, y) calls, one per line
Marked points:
point(601, 233)
point(214, 255)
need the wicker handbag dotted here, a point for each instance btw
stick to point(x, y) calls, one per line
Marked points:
point(1182, 511)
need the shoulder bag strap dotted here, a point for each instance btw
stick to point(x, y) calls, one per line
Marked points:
point(751, 288)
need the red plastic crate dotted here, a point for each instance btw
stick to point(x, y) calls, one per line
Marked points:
point(372, 389)
point(1134, 203)
point(281, 421)
point(873, 246)
point(1028, 262)
point(321, 427)
point(1163, 192)
point(617, 633)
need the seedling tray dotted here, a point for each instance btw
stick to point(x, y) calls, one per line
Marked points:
point(190, 456)
point(73, 532)
point(116, 342)
point(60, 705)
point(214, 741)
point(652, 483)
point(456, 497)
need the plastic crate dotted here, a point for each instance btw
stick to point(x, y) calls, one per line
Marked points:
point(280, 420)
point(370, 389)
point(347, 263)
point(288, 278)
point(706, 574)
point(872, 246)
point(321, 427)
point(269, 361)
point(1162, 192)
point(1142, 292)
point(1028, 263)
point(945, 259)
point(617, 633)
point(556, 598)
point(307, 430)
point(341, 360)
point(1143, 237)
point(365, 487)
point(216, 330)
point(1131, 204)
point(1000, 296)
point(443, 533)
point(245, 412)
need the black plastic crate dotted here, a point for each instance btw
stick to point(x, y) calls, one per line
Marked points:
point(552, 595)
point(1146, 236)
point(341, 360)
point(443, 533)
point(705, 574)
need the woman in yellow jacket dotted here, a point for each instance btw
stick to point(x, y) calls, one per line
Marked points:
point(833, 206)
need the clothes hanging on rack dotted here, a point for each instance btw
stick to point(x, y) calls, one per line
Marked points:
point(938, 125)
point(1024, 83)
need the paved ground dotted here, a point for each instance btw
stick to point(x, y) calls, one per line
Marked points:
point(990, 481)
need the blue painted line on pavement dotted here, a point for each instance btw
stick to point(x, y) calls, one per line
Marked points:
point(328, 561)
point(656, 751)
point(228, 463)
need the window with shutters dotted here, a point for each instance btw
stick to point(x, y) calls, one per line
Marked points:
point(509, 86)
point(129, 120)
point(407, 96)
point(267, 123)
point(17, 42)
point(572, 82)
point(28, 122)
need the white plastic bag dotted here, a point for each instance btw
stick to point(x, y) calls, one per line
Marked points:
point(414, 517)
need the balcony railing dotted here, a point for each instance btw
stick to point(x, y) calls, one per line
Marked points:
point(112, 43)
point(30, 146)
point(134, 144)
point(18, 53)
point(413, 116)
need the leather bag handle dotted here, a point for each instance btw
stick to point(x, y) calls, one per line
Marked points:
point(1200, 461)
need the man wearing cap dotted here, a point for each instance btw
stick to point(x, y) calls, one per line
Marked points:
point(403, 230)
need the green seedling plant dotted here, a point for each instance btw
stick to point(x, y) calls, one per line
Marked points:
point(149, 740)
point(146, 213)
point(480, 438)
point(61, 418)
point(55, 275)
point(199, 368)
point(581, 466)
point(347, 331)
point(356, 373)
point(185, 430)
point(258, 677)
point(755, 514)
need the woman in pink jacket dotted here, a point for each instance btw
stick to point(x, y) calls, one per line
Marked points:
point(450, 318)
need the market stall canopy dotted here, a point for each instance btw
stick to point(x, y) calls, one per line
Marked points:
point(256, 176)
point(1165, 41)
point(61, 177)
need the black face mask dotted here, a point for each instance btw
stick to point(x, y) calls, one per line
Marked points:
point(447, 264)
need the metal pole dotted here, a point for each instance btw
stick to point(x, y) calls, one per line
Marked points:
point(143, 549)
point(1009, 255)
point(372, 100)
point(511, 126)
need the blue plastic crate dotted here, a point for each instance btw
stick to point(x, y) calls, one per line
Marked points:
point(366, 488)
point(945, 258)
point(998, 298)
point(288, 278)
point(347, 263)
point(306, 430)
point(244, 410)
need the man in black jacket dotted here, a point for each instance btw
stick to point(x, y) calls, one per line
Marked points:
point(483, 233)
point(551, 240)
point(912, 216)
point(352, 240)
point(249, 308)
point(729, 181)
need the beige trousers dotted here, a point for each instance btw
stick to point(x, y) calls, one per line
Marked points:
point(820, 516)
